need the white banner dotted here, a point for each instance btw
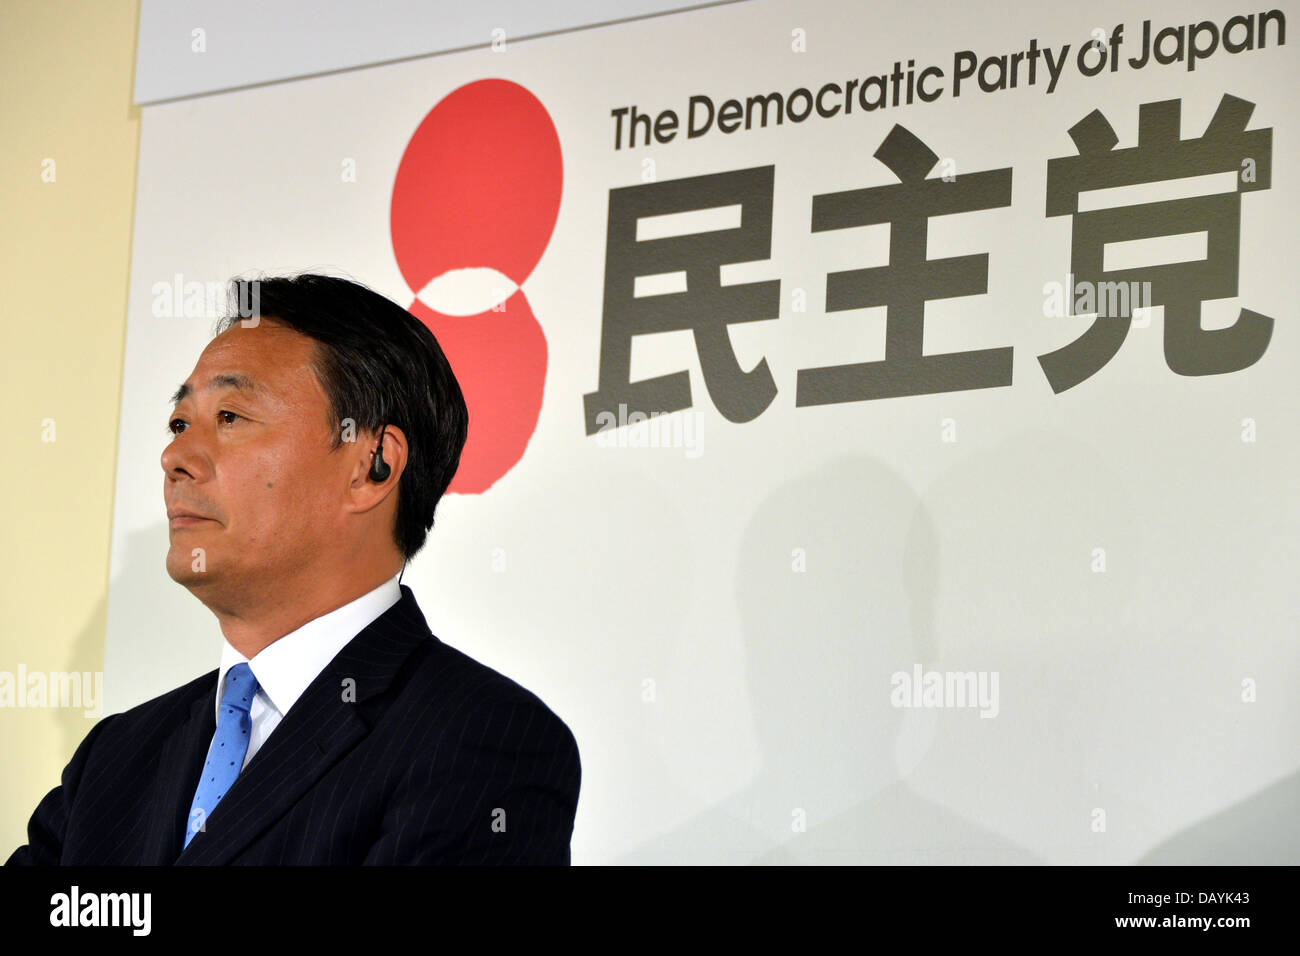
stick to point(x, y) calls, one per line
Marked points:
point(970, 531)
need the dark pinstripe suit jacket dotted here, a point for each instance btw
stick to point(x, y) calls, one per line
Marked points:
point(434, 758)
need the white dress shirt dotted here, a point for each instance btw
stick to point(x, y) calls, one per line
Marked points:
point(285, 668)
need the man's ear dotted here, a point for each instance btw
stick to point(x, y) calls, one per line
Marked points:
point(363, 492)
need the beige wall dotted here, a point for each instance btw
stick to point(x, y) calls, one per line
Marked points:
point(65, 247)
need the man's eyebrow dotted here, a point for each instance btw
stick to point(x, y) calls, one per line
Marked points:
point(235, 380)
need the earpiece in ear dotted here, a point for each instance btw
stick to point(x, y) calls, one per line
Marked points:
point(380, 469)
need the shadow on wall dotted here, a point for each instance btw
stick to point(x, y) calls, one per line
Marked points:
point(87, 651)
point(818, 662)
point(172, 631)
point(175, 638)
point(163, 613)
point(1260, 830)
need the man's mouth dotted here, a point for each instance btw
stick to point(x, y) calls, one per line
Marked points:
point(186, 521)
point(184, 518)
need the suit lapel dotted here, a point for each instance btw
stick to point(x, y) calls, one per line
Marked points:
point(179, 767)
point(322, 726)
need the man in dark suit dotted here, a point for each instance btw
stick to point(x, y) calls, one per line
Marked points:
point(310, 447)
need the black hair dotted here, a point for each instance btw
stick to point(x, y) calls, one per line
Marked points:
point(378, 365)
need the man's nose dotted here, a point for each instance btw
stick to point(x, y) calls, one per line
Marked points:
point(185, 455)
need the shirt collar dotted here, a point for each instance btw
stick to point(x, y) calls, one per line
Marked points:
point(285, 667)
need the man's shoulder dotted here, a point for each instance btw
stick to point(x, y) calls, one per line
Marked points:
point(467, 684)
point(139, 733)
point(177, 702)
point(461, 719)
point(440, 678)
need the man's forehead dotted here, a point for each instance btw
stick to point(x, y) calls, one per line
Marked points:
point(240, 381)
point(260, 365)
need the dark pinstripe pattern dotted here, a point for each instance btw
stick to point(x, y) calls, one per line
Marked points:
point(435, 758)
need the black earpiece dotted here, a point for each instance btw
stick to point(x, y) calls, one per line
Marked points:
point(380, 469)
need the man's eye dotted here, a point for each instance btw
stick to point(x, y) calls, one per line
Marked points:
point(176, 426)
point(231, 414)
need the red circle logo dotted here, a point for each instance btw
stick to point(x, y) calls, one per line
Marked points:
point(477, 193)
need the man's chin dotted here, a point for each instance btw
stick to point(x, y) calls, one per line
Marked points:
point(189, 580)
point(188, 572)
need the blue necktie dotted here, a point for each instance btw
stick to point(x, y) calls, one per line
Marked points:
point(226, 752)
